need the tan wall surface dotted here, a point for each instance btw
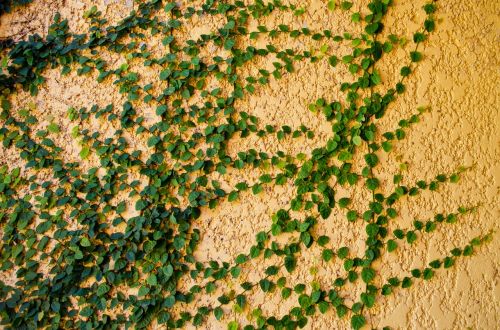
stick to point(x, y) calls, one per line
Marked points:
point(458, 79)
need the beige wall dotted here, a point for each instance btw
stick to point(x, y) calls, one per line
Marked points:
point(458, 79)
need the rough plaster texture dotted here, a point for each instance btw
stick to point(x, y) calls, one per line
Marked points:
point(458, 79)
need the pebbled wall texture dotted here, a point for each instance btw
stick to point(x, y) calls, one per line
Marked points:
point(458, 79)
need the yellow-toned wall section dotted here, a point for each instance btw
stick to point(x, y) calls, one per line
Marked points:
point(458, 79)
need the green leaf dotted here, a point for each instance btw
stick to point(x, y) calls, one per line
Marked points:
point(325, 210)
point(198, 319)
point(387, 146)
point(391, 245)
point(371, 159)
point(257, 188)
point(367, 274)
point(341, 310)
point(163, 317)
point(411, 236)
point(168, 271)
point(345, 156)
point(356, 17)
point(428, 274)
point(356, 140)
point(43, 227)
point(218, 313)
point(405, 71)
point(85, 242)
point(343, 252)
point(161, 109)
point(169, 6)
point(102, 289)
point(271, 270)
point(372, 28)
point(286, 293)
point(179, 243)
point(357, 322)
point(323, 306)
point(305, 170)
point(241, 300)
point(143, 290)
point(232, 196)
point(305, 237)
point(344, 202)
point(416, 56)
point(372, 229)
point(121, 207)
point(372, 183)
point(375, 78)
point(323, 240)
point(152, 280)
point(406, 283)
point(448, 262)
point(368, 299)
point(169, 301)
point(281, 282)
point(164, 74)
point(265, 285)
point(327, 254)
point(331, 145)
point(333, 60)
point(233, 325)
point(348, 264)
point(290, 263)
point(241, 258)
point(352, 215)
point(141, 205)
point(53, 128)
point(346, 5)
point(86, 311)
point(152, 141)
point(84, 153)
point(228, 44)
point(304, 301)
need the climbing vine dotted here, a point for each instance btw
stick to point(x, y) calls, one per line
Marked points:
point(81, 240)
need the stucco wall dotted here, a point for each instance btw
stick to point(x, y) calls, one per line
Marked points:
point(458, 79)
